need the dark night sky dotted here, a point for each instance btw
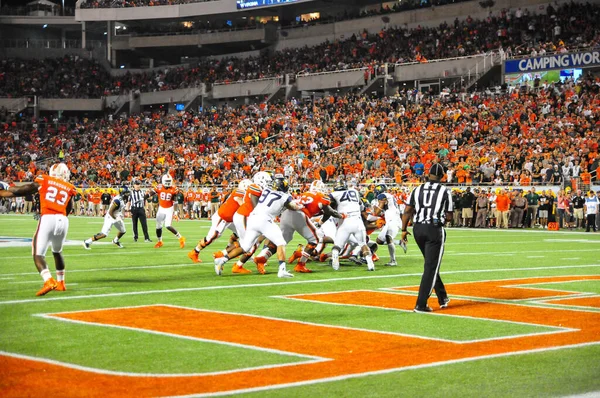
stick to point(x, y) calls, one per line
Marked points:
point(21, 3)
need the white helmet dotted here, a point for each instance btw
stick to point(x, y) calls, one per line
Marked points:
point(262, 179)
point(244, 184)
point(167, 180)
point(317, 186)
point(60, 170)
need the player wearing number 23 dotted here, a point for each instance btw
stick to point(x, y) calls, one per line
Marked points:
point(56, 202)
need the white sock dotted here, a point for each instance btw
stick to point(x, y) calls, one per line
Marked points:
point(282, 267)
point(356, 251)
point(392, 250)
point(89, 241)
point(60, 275)
point(45, 274)
point(335, 254)
point(178, 235)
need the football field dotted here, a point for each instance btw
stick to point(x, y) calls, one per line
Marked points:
point(524, 320)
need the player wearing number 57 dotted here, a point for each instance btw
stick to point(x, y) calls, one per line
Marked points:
point(56, 202)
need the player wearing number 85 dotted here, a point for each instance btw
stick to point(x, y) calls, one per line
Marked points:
point(164, 216)
point(56, 202)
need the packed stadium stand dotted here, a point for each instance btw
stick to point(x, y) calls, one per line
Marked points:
point(515, 134)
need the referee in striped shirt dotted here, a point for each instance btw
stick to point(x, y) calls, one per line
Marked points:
point(431, 206)
point(138, 211)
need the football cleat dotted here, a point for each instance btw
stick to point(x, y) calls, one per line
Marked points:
point(87, 246)
point(49, 285)
point(335, 264)
point(158, 244)
point(260, 265)
point(355, 260)
point(61, 286)
point(391, 264)
point(219, 262)
point(375, 257)
point(218, 254)
point(193, 255)
point(444, 302)
point(240, 270)
point(295, 256)
point(119, 245)
point(283, 273)
point(182, 242)
point(323, 257)
point(302, 269)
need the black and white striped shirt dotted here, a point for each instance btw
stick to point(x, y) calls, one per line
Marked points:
point(137, 198)
point(431, 202)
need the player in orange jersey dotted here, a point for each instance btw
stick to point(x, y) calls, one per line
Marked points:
point(222, 219)
point(56, 202)
point(164, 216)
point(315, 203)
point(261, 181)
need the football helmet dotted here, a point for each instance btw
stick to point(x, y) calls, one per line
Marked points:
point(167, 180)
point(60, 171)
point(244, 184)
point(280, 184)
point(124, 192)
point(379, 189)
point(262, 179)
point(317, 186)
point(341, 185)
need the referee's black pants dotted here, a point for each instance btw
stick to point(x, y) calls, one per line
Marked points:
point(138, 213)
point(430, 239)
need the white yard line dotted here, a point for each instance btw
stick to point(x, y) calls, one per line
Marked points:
point(47, 299)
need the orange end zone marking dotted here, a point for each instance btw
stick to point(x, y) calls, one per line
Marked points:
point(592, 302)
point(351, 352)
point(508, 289)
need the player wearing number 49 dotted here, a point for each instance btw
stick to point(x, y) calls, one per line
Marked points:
point(112, 218)
point(164, 216)
point(56, 202)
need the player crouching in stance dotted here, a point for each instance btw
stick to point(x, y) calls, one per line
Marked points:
point(56, 202)
point(261, 222)
point(164, 216)
point(387, 205)
point(222, 219)
point(112, 218)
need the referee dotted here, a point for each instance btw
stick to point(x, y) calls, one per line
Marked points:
point(431, 206)
point(138, 211)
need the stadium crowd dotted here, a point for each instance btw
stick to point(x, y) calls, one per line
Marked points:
point(549, 136)
point(567, 27)
point(135, 3)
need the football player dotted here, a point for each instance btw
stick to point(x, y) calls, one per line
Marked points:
point(112, 218)
point(164, 216)
point(315, 203)
point(222, 219)
point(387, 205)
point(261, 222)
point(350, 206)
point(261, 181)
point(56, 202)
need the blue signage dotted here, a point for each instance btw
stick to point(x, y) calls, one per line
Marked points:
point(243, 4)
point(556, 61)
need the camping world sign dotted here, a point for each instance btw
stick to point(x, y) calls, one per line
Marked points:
point(556, 61)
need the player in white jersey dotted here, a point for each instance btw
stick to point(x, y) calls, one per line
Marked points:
point(350, 206)
point(387, 205)
point(112, 218)
point(261, 221)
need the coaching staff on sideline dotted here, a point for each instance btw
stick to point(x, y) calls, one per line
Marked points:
point(431, 206)
point(138, 211)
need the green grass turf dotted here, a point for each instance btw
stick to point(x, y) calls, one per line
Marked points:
point(108, 277)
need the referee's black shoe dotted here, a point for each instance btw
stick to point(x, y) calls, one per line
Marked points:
point(425, 309)
point(444, 302)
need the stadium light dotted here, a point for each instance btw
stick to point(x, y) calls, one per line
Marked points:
point(45, 26)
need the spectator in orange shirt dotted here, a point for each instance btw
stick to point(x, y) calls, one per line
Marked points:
point(502, 209)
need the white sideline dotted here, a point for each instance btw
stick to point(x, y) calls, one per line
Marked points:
point(297, 282)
